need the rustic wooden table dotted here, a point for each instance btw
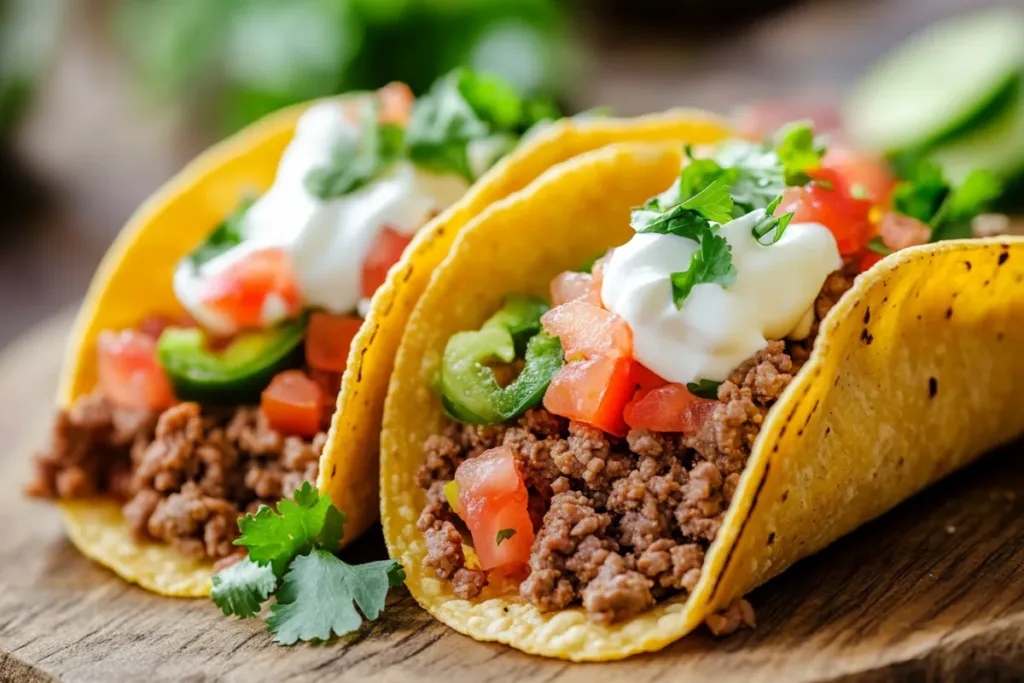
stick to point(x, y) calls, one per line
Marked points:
point(932, 591)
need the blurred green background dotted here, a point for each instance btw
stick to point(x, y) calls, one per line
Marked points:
point(103, 100)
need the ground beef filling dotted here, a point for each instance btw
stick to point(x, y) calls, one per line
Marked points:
point(185, 475)
point(620, 523)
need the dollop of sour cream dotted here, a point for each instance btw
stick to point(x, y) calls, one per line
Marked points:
point(718, 327)
point(327, 240)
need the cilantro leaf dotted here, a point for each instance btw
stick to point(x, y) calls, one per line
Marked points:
point(689, 218)
point(705, 388)
point(224, 237)
point(755, 175)
point(876, 245)
point(978, 191)
point(504, 535)
point(319, 595)
point(355, 162)
point(276, 539)
point(770, 224)
point(243, 587)
point(711, 263)
point(922, 193)
point(713, 202)
point(463, 107)
point(799, 152)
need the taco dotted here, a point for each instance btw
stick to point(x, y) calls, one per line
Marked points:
point(203, 369)
point(589, 459)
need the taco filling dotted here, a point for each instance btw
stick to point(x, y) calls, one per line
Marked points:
point(593, 445)
point(207, 412)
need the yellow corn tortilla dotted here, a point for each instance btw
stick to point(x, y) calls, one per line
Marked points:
point(135, 280)
point(914, 374)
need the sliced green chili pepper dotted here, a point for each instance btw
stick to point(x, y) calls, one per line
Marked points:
point(234, 375)
point(469, 389)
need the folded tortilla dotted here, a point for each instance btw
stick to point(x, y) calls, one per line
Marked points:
point(914, 374)
point(135, 280)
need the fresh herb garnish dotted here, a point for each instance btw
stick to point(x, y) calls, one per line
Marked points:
point(291, 555)
point(711, 263)
point(504, 535)
point(799, 152)
point(672, 214)
point(224, 237)
point(464, 107)
point(929, 197)
point(769, 224)
point(704, 388)
point(876, 245)
point(357, 161)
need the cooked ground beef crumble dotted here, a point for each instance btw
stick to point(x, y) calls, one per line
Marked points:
point(184, 476)
point(620, 522)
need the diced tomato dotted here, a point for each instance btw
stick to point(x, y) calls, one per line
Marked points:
point(899, 231)
point(384, 253)
point(572, 285)
point(330, 386)
point(293, 403)
point(858, 169)
point(669, 408)
point(493, 501)
point(244, 290)
point(594, 391)
point(868, 259)
point(646, 378)
point(828, 201)
point(587, 330)
point(129, 373)
point(328, 339)
point(396, 101)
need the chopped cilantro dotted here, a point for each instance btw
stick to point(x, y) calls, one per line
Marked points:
point(929, 197)
point(504, 535)
point(711, 263)
point(355, 162)
point(224, 237)
point(799, 152)
point(669, 214)
point(291, 557)
point(705, 388)
point(922, 193)
point(876, 245)
point(770, 224)
point(464, 107)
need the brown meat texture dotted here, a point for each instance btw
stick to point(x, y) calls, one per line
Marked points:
point(186, 475)
point(619, 522)
point(737, 615)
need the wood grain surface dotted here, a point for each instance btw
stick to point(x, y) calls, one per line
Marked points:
point(932, 591)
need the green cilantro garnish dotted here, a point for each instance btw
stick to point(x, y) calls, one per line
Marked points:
point(291, 555)
point(705, 388)
point(876, 245)
point(711, 263)
point(670, 213)
point(503, 535)
point(928, 196)
point(464, 107)
point(769, 224)
point(357, 161)
point(799, 152)
point(224, 237)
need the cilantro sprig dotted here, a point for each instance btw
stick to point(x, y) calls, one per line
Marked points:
point(292, 556)
point(927, 195)
point(224, 237)
point(356, 161)
point(705, 388)
point(465, 107)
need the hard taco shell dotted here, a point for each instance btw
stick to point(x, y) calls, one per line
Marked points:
point(914, 374)
point(135, 280)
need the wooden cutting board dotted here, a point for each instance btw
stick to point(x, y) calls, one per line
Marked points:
point(932, 591)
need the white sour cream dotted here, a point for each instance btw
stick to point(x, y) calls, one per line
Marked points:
point(327, 241)
point(718, 327)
